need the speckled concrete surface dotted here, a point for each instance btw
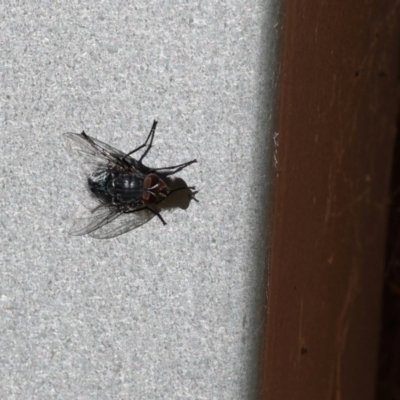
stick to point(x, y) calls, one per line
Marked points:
point(161, 312)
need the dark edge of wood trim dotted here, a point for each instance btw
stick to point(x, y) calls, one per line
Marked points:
point(337, 116)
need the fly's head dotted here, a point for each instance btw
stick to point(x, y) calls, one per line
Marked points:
point(154, 189)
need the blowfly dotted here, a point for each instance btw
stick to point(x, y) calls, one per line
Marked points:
point(126, 192)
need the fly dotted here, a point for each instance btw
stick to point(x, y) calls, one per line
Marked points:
point(126, 191)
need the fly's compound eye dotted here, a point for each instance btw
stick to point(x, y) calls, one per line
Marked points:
point(150, 181)
point(149, 198)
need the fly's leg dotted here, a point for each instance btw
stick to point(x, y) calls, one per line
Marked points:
point(181, 188)
point(158, 215)
point(150, 138)
point(176, 168)
point(150, 209)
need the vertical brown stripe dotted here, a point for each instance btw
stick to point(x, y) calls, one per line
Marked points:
point(336, 128)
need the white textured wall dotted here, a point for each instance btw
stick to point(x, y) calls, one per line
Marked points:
point(161, 312)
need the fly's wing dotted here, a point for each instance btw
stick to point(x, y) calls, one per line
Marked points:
point(86, 221)
point(92, 151)
point(124, 223)
point(104, 222)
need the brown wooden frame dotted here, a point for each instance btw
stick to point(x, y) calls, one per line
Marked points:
point(337, 119)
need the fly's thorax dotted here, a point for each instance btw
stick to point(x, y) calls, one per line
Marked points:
point(126, 188)
point(154, 189)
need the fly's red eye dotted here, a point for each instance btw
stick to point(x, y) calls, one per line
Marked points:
point(150, 180)
point(148, 198)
